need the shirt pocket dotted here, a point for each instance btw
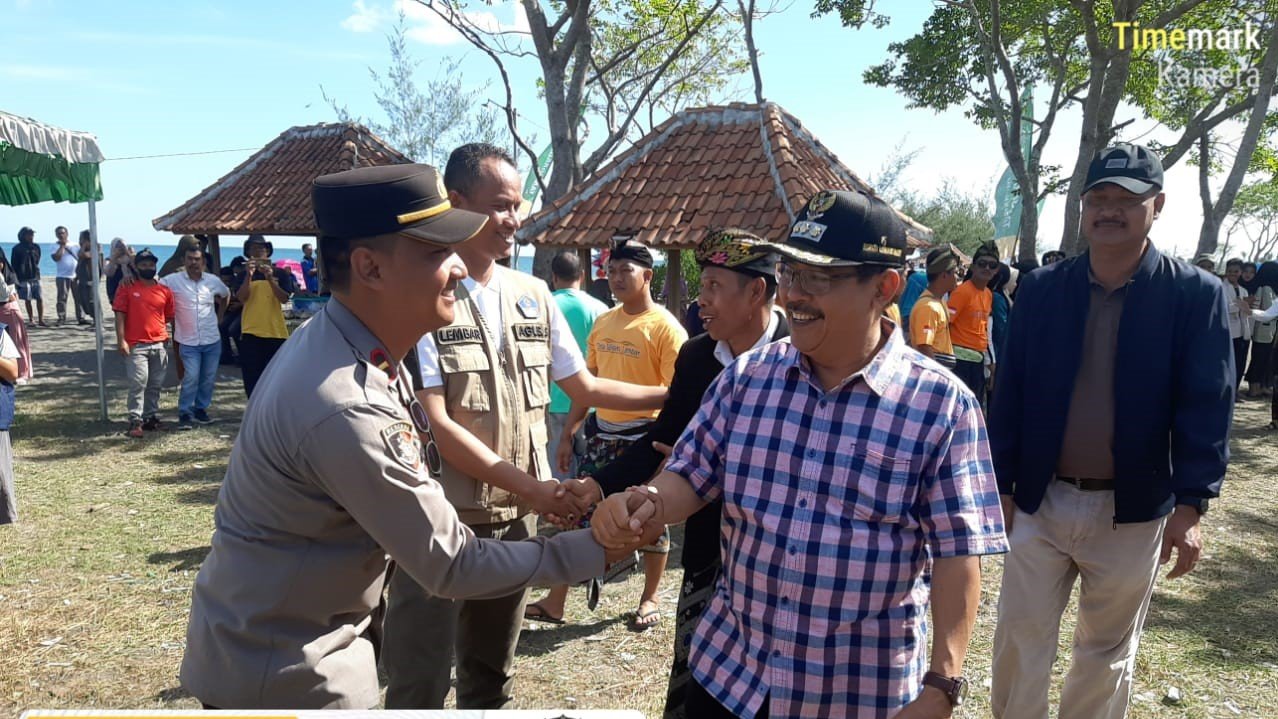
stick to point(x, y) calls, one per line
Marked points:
point(464, 368)
point(534, 360)
point(872, 487)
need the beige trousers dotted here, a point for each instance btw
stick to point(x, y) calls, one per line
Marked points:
point(1072, 536)
point(425, 633)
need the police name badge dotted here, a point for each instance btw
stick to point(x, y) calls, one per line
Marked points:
point(404, 445)
point(528, 308)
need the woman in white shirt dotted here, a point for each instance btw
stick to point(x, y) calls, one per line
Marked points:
point(1239, 318)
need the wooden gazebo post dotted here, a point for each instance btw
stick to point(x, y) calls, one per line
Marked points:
point(674, 282)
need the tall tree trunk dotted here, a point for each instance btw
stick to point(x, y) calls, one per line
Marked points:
point(1214, 214)
point(1028, 247)
point(747, 20)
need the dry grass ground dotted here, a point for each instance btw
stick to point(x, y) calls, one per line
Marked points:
point(95, 579)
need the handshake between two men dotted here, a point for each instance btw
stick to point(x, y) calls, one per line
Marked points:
point(621, 523)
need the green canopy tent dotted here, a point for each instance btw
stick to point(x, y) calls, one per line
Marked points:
point(42, 163)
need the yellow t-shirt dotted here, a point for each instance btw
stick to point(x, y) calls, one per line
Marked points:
point(640, 349)
point(930, 324)
point(971, 316)
point(263, 316)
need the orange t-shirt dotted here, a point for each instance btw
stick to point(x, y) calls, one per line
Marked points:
point(969, 325)
point(146, 309)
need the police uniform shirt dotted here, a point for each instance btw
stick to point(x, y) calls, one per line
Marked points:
point(565, 356)
point(326, 478)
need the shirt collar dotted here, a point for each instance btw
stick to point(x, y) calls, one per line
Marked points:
point(494, 283)
point(723, 351)
point(352, 328)
point(880, 373)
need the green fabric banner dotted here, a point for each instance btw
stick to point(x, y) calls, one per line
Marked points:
point(27, 178)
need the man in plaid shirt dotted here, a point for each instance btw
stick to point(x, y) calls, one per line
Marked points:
point(858, 492)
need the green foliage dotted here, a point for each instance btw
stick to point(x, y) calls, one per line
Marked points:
point(954, 214)
point(426, 122)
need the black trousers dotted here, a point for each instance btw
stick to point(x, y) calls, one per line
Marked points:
point(1240, 359)
point(255, 353)
point(701, 705)
point(973, 375)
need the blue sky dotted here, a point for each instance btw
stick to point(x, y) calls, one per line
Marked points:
point(152, 78)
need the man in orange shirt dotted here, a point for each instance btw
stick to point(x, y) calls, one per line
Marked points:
point(970, 305)
point(143, 311)
point(930, 318)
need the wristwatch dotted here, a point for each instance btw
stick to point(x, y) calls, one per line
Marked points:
point(955, 688)
point(1195, 502)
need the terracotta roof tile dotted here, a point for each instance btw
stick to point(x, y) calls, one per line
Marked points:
point(270, 192)
point(702, 168)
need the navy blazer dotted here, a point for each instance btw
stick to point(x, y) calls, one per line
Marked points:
point(1173, 385)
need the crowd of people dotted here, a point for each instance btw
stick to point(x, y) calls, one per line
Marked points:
point(843, 442)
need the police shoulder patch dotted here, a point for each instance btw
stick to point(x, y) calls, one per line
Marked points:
point(404, 444)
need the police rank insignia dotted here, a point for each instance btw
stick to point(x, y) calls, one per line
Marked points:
point(819, 203)
point(528, 307)
point(404, 445)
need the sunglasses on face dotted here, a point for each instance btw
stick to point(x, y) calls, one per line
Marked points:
point(986, 265)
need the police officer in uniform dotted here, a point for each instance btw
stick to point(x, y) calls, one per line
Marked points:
point(332, 470)
point(485, 388)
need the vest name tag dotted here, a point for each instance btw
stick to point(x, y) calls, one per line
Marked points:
point(458, 335)
point(531, 331)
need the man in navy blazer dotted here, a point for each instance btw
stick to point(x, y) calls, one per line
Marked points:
point(1109, 431)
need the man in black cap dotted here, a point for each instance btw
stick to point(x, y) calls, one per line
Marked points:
point(738, 283)
point(334, 469)
point(1110, 428)
point(143, 314)
point(856, 489)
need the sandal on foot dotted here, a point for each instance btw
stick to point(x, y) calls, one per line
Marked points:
point(637, 621)
point(538, 613)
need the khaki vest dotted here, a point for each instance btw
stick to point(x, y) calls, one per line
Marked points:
point(499, 398)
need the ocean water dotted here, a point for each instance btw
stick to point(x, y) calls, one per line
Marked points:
point(48, 269)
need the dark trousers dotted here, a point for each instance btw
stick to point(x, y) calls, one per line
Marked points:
point(423, 633)
point(84, 293)
point(1240, 359)
point(255, 353)
point(1260, 371)
point(229, 328)
point(973, 375)
point(703, 706)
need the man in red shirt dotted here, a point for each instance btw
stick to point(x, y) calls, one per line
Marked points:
point(143, 311)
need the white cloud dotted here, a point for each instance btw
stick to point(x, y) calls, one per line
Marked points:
point(426, 27)
point(366, 17)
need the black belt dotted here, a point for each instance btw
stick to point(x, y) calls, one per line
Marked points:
point(1089, 485)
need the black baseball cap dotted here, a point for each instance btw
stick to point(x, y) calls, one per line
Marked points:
point(841, 228)
point(145, 255)
point(1132, 167)
point(392, 199)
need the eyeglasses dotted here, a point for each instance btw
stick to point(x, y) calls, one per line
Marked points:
point(813, 283)
point(1091, 202)
point(987, 264)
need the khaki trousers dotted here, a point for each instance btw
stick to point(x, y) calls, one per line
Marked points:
point(423, 633)
point(1072, 536)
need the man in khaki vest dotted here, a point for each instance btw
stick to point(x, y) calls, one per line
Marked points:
point(332, 470)
point(485, 381)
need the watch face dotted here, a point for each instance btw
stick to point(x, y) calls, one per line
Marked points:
point(960, 694)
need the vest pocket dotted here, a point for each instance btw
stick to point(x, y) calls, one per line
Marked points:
point(464, 368)
point(535, 361)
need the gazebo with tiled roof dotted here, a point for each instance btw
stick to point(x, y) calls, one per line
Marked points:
point(739, 165)
point(270, 192)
